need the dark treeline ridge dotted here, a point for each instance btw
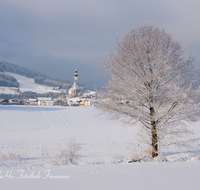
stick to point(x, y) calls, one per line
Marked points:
point(9, 81)
point(50, 82)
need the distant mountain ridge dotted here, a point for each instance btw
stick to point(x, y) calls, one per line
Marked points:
point(40, 78)
point(44, 79)
point(13, 68)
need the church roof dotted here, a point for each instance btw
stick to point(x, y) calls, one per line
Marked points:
point(75, 86)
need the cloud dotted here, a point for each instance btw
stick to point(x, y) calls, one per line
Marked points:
point(81, 32)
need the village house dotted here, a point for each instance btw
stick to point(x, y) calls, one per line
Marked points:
point(71, 103)
point(32, 101)
point(89, 94)
point(81, 103)
point(15, 101)
point(84, 102)
point(43, 101)
point(4, 101)
point(78, 102)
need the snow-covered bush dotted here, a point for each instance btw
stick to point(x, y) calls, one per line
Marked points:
point(18, 158)
point(68, 155)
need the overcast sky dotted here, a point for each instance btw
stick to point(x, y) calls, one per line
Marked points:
point(56, 36)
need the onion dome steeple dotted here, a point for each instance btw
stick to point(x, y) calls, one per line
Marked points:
point(76, 76)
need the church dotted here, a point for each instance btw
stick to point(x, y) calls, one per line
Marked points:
point(74, 91)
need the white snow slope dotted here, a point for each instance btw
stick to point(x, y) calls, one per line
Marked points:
point(26, 84)
point(38, 134)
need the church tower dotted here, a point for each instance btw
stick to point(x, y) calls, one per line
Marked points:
point(75, 91)
point(76, 76)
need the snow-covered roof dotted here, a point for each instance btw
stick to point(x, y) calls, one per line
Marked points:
point(31, 100)
point(44, 99)
point(89, 93)
point(49, 101)
point(75, 86)
point(4, 100)
point(14, 99)
point(73, 103)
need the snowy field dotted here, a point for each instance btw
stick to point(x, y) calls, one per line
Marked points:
point(26, 84)
point(8, 90)
point(34, 136)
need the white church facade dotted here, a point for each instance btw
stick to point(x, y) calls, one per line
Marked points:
point(74, 91)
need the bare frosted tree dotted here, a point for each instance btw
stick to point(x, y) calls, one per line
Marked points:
point(152, 83)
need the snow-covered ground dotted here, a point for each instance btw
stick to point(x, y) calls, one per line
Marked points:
point(26, 84)
point(38, 134)
point(8, 90)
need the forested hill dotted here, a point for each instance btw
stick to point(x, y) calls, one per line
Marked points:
point(9, 67)
point(8, 81)
point(39, 77)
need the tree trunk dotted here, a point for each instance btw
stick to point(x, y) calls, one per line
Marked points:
point(154, 142)
point(154, 136)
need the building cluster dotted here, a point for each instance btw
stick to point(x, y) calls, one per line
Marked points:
point(75, 97)
point(13, 101)
point(43, 101)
